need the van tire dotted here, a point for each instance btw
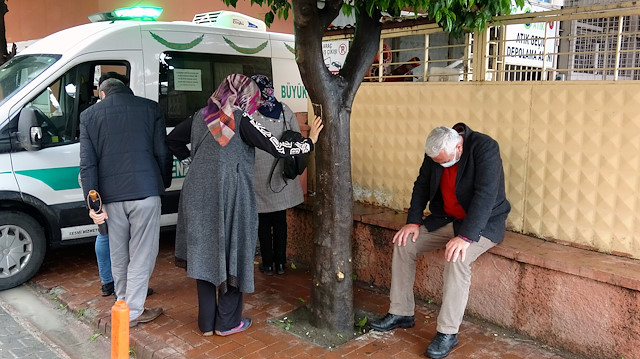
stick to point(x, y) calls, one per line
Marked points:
point(22, 248)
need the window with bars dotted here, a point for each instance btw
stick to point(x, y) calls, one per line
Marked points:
point(571, 44)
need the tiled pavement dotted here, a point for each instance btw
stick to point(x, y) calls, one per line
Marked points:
point(16, 341)
point(175, 334)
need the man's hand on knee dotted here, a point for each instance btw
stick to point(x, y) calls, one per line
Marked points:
point(456, 246)
point(409, 231)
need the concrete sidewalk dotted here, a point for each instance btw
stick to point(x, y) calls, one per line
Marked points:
point(34, 326)
point(73, 274)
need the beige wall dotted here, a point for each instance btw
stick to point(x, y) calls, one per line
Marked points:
point(571, 151)
point(35, 19)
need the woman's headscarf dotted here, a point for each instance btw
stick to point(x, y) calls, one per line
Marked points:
point(271, 107)
point(235, 91)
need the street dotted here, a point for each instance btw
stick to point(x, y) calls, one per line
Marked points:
point(32, 327)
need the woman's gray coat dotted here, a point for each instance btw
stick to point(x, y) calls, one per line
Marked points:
point(217, 220)
point(289, 195)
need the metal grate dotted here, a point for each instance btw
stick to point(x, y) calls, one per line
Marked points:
point(599, 42)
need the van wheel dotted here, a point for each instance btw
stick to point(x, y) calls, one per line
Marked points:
point(22, 248)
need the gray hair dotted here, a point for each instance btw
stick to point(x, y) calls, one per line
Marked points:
point(110, 84)
point(441, 138)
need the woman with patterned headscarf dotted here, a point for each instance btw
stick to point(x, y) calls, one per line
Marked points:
point(273, 192)
point(217, 219)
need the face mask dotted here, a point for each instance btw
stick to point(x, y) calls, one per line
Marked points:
point(450, 163)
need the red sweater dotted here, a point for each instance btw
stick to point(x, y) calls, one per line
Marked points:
point(448, 189)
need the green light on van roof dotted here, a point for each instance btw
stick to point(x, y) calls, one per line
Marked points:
point(138, 12)
point(128, 13)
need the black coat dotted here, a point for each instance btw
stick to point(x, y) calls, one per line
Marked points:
point(123, 154)
point(479, 190)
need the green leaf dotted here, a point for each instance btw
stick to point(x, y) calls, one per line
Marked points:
point(370, 7)
point(300, 299)
point(293, 266)
point(340, 335)
point(94, 337)
point(268, 18)
point(347, 9)
point(362, 322)
point(255, 262)
point(438, 16)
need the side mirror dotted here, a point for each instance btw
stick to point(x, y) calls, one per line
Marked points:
point(29, 130)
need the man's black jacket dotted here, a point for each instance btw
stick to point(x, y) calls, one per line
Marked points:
point(479, 190)
point(123, 154)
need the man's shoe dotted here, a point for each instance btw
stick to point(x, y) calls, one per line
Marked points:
point(268, 270)
point(107, 289)
point(280, 269)
point(441, 345)
point(392, 321)
point(147, 315)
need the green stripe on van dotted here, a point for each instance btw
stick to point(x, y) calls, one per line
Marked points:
point(57, 178)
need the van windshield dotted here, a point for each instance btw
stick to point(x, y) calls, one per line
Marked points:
point(20, 70)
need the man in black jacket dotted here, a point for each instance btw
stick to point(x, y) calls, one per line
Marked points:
point(124, 157)
point(462, 179)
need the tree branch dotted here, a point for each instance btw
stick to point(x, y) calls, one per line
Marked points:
point(363, 48)
point(330, 11)
point(309, 31)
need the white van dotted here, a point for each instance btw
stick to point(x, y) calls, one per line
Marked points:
point(45, 87)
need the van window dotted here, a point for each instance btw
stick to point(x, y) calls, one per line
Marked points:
point(54, 109)
point(59, 105)
point(20, 70)
point(187, 80)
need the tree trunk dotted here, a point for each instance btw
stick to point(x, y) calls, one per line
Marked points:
point(332, 291)
point(4, 53)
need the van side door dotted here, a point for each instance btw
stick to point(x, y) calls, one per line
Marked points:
point(49, 177)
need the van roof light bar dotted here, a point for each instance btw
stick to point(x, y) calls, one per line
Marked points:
point(230, 19)
point(144, 13)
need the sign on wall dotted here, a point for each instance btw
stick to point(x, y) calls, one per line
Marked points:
point(525, 43)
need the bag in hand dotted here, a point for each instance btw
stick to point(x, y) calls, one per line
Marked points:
point(293, 165)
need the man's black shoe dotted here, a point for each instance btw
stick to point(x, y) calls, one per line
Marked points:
point(107, 289)
point(392, 321)
point(280, 269)
point(268, 270)
point(441, 345)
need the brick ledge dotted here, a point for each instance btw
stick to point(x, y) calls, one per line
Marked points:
point(602, 267)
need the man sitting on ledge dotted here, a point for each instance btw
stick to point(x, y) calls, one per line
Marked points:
point(462, 179)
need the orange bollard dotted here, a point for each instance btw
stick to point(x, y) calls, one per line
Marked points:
point(120, 330)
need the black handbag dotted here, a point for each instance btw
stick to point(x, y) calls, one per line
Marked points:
point(293, 165)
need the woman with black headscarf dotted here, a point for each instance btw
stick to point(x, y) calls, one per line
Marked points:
point(274, 193)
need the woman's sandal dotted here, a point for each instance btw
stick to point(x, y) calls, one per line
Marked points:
point(245, 323)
